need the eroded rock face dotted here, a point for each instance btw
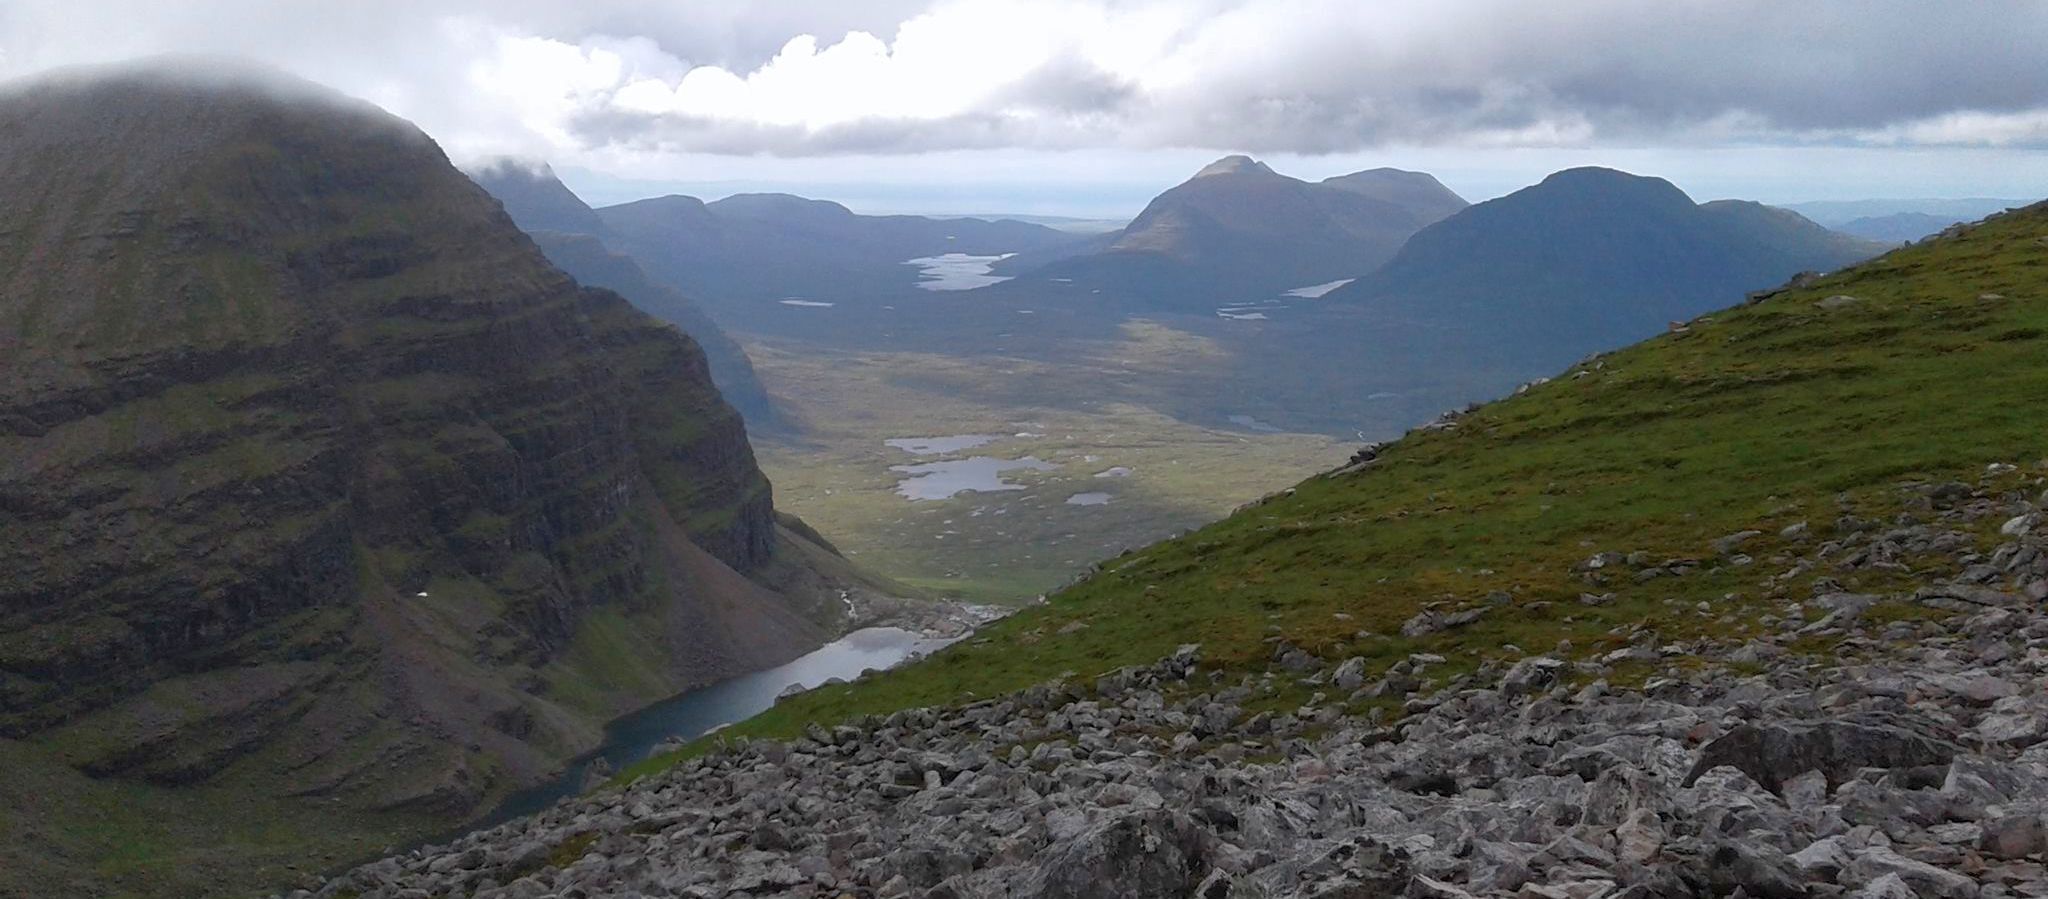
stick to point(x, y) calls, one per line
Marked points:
point(305, 448)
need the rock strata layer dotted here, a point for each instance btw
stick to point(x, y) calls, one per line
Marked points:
point(316, 476)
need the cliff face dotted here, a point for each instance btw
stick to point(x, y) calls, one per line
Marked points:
point(317, 478)
point(591, 262)
point(575, 239)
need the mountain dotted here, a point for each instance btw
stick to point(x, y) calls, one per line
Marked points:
point(329, 509)
point(1067, 223)
point(1898, 227)
point(536, 199)
point(742, 254)
point(1417, 191)
point(1755, 607)
point(573, 237)
point(1239, 230)
point(1589, 259)
point(1835, 213)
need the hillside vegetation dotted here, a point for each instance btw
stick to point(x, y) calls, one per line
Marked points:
point(1813, 407)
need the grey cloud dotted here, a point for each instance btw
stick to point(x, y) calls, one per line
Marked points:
point(884, 136)
point(1069, 85)
point(1303, 76)
point(1596, 71)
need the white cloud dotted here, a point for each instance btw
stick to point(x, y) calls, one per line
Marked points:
point(1307, 76)
point(1972, 129)
point(654, 87)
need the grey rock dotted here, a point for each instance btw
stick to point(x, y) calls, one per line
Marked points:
point(1772, 753)
point(1924, 879)
point(1756, 869)
point(1143, 854)
point(1350, 675)
point(1823, 860)
point(1532, 675)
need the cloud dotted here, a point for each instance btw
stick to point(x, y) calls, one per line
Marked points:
point(621, 79)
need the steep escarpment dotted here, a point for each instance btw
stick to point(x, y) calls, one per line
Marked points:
point(317, 480)
point(593, 263)
point(575, 239)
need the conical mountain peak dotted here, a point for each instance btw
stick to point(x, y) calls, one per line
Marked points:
point(1234, 165)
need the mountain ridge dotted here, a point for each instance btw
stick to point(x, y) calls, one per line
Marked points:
point(1239, 230)
point(574, 237)
point(740, 255)
point(327, 497)
point(1590, 258)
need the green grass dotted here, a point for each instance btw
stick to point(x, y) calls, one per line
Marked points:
point(1006, 547)
point(1755, 417)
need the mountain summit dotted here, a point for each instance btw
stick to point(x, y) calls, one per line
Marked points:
point(1418, 191)
point(1239, 230)
point(536, 199)
point(1234, 165)
point(326, 498)
point(1592, 258)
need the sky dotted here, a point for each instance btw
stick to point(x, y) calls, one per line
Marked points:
point(1090, 107)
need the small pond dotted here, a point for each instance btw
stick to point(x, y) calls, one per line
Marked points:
point(957, 271)
point(950, 478)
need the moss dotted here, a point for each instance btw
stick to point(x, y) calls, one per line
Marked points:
point(569, 851)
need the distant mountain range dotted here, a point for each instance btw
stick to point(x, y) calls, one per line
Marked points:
point(751, 248)
point(574, 239)
point(1239, 229)
point(1588, 259)
point(741, 256)
point(1837, 213)
point(1898, 227)
point(1065, 223)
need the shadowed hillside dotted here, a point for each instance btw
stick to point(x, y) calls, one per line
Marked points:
point(325, 497)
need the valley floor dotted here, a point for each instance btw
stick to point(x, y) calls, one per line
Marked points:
point(1114, 472)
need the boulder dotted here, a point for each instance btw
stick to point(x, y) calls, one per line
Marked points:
point(1773, 753)
point(1756, 869)
point(1532, 675)
point(1877, 862)
point(1152, 854)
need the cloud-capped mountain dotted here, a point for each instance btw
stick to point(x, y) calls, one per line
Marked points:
point(327, 499)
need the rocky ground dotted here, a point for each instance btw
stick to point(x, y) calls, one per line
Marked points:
point(1909, 757)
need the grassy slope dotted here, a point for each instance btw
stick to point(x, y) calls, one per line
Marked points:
point(1759, 416)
